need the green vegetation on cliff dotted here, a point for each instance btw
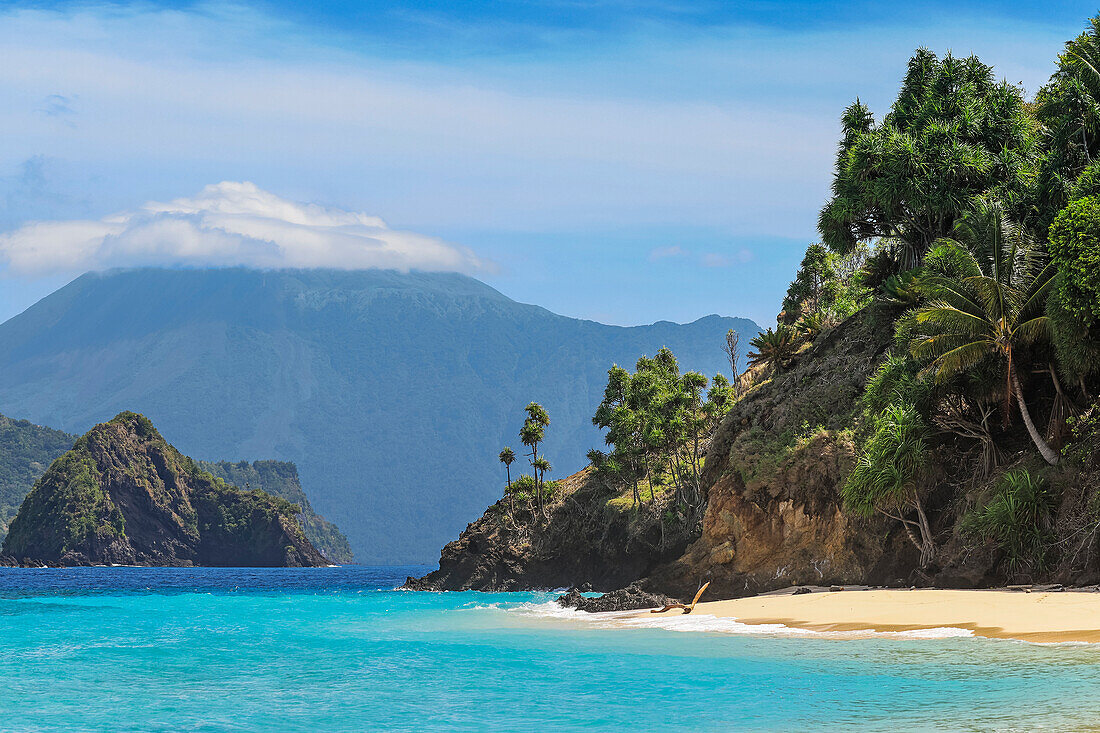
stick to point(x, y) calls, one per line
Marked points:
point(280, 478)
point(993, 258)
point(123, 495)
point(26, 450)
point(656, 420)
point(926, 408)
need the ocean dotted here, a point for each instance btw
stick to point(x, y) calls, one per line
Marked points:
point(338, 649)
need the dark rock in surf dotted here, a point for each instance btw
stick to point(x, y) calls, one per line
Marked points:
point(631, 598)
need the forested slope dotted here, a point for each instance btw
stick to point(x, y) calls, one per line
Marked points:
point(925, 410)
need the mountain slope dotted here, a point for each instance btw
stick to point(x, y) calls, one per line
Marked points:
point(391, 392)
point(280, 478)
point(26, 450)
point(123, 495)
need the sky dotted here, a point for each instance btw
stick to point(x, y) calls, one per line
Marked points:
point(623, 161)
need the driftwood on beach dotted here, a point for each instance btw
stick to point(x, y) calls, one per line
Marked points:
point(688, 608)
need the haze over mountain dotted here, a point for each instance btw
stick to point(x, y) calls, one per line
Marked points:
point(392, 392)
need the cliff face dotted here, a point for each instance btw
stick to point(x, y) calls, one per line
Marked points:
point(775, 467)
point(123, 495)
point(592, 538)
point(280, 478)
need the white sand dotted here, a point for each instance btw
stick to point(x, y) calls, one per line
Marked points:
point(1038, 617)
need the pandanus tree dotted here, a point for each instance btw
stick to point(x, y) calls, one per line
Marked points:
point(953, 133)
point(813, 288)
point(508, 457)
point(892, 475)
point(985, 303)
point(1068, 107)
point(773, 347)
point(616, 416)
point(531, 434)
point(542, 467)
point(692, 385)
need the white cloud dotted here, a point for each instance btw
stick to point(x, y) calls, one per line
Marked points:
point(229, 224)
point(732, 127)
point(661, 253)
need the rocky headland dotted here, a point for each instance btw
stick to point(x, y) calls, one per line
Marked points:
point(774, 513)
point(123, 496)
point(591, 538)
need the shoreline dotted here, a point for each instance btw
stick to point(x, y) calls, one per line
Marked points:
point(1038, 617)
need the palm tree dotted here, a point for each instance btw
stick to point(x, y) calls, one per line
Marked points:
point(978, 313)
point(507, 457)
point(532, 433)
point(1080, 67)
point(542, 466)
point(772, 347)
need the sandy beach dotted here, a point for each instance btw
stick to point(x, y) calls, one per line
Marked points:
point(1066, 616)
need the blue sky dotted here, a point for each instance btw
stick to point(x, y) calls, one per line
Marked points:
point(621, 161)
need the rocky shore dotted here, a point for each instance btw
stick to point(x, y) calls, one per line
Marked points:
point(774, 514)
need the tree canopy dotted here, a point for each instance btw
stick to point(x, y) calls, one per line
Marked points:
point(656, 419)
point(953, 133)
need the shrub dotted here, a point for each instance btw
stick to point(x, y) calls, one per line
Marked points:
point(1016, 518)
point(1074, 245)
point(891, 475)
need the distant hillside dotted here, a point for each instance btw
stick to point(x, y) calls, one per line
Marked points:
point(26, 451)
point(280, 478)
point(393, 393)
point(123, 496)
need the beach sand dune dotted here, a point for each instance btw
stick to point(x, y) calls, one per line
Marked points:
point(1067, 616)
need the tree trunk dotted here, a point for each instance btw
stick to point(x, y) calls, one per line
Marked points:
point(1048, 453)
point(695, 453)
point(673, 473)
point(538, 484)
point(649, 474)
point(922, 539)
point(928, 545)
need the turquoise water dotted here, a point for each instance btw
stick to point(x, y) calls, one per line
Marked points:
point(336, 649)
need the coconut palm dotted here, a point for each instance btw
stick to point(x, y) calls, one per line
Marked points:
point(986, 302)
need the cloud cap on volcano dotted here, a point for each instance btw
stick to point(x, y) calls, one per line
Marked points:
point(228, 224)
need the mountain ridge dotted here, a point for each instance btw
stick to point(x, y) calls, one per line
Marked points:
point(348, 374)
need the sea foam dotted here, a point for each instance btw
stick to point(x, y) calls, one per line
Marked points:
point(707, 623)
